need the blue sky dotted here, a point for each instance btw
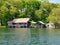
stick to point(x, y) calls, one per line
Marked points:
point(55, 1)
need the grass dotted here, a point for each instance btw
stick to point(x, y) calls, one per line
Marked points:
point(2, 26)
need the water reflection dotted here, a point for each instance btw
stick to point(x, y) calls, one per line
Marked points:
point(44, 37)
point(32, 36)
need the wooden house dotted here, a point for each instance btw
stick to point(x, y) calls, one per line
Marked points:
point(19, 22)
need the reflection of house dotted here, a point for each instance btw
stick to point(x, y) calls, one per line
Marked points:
point(50, 25)
point(19, 22)
point(40, 24)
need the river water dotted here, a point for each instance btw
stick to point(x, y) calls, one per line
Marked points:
point(29, 36)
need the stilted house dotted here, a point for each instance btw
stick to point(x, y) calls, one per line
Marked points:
point(19, 22)
point(40, 24)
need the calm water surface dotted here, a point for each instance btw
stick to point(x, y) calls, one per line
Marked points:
point(33, 36)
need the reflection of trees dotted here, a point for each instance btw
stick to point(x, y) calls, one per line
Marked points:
point(5, 36)
point(44, 37)
point(34, 36)
point(16, 36)
point(9, 36)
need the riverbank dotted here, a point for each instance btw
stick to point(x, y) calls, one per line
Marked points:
point(2, 26)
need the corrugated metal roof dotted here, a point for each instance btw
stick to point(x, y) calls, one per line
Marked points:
point(21, 20)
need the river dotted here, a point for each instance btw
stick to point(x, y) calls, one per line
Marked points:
point(29, 36)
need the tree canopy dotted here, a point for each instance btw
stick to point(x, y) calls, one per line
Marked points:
point(54, 15)
point(34, 9)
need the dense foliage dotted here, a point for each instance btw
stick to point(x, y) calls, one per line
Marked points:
point(34, 9)
point(54, 15)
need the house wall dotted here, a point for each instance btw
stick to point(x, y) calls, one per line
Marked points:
point(18, 25)
point(10, 24)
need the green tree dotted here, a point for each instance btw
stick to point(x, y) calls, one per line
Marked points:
point(54, 16)
point(44, 11)
point(3, 11)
